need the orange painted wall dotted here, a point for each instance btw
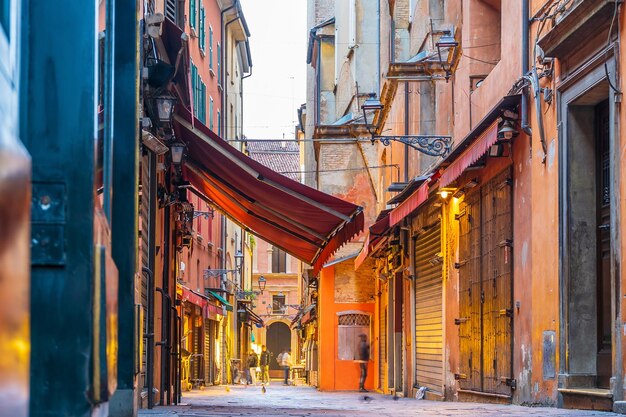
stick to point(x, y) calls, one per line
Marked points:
point(336, 375)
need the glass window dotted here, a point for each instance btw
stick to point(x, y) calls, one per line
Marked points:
point(351, 326)
point(279, 260)
point(202, 34)
point(278, 304)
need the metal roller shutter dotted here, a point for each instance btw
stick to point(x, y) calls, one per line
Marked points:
point(428, 310)
point(382, 342)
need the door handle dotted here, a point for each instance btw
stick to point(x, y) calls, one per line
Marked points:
point(605, 226)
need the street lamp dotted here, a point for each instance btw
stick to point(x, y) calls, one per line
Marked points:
point(446, 41)
point(262, 283)
point(434, 145)
point(238, 260)
point(177, 151)
point(163, 108)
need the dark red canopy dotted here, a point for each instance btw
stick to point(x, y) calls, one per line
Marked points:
point(304, 222)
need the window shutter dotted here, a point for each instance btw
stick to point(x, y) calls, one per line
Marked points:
point(219, 124)
point(210, 47)
point(192, 13)
point(202, 31)
point(211, 113)
point(219, 64)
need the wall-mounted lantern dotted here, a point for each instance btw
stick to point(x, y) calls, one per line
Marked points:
point(262, 283)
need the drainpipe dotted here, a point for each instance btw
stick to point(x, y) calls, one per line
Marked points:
point(406, 131)
point(222, 78)
point(241, 87)
point(149, 335)
point(224, 64)
point(525, 50)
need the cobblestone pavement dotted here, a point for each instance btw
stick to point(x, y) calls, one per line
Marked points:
point(302, 401)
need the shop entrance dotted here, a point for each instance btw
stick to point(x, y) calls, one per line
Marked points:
point(278, 338)
point(586, 220)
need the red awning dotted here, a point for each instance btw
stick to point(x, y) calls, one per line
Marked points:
point(470, 155)
point(364, 252)
point(177, 51)
point(409, 205)
point(304, 222)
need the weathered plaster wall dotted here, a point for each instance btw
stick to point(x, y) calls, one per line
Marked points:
point(335, 374)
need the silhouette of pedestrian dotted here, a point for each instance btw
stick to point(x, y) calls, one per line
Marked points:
point(364, 357)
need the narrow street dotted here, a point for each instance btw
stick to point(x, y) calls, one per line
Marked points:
point(307, 401)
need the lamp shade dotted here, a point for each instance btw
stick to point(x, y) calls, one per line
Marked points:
point(177, 150)
point(262, 283)
point(238, 258)
point(447, 41)
point(165, 107)
point(372, 103)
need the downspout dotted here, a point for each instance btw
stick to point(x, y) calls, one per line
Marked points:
point(241, 87)
point(406, 131)
point(525, 50)
point(378, 44)
point(222, 78)
point(149, 335)
point(224, 64)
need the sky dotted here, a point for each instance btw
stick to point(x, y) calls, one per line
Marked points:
point(277, 87)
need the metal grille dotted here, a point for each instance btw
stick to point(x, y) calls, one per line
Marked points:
point(354, 320)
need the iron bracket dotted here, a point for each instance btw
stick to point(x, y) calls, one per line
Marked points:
point(434, 145)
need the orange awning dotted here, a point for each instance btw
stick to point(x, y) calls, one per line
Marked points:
point(302, 221)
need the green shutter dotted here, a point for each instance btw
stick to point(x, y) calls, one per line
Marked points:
point(203, 103)
point(219, 124)
point(210, 47)
point(202, 31)
point(192, 13)
point(219, 64)
point(211, 114)
point(193, 87)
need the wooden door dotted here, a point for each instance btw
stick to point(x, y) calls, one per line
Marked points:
point(278, 339)
point(485, 288)
point(469, 320)
point(603, 198)
point(496, 292)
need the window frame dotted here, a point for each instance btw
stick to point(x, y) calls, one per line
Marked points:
point(348, 335)
point(283, 309)
point(279, 257)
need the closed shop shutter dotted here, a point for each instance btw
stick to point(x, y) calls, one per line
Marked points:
point(197, 354)
point(382, 341)
point(208, 352)
point(428, 310)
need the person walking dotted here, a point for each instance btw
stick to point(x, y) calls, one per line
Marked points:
point(265, 365)
point(364, 357)
point(252, 363)
point(284, 360)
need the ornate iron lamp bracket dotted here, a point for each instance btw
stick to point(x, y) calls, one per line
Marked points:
point(434, 145)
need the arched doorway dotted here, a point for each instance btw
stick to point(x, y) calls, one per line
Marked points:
point(278, 338)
